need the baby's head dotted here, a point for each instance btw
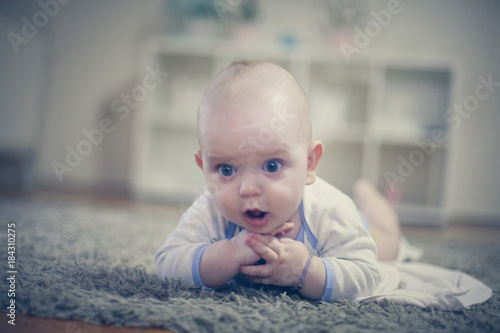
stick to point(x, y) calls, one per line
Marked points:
point(256, 151)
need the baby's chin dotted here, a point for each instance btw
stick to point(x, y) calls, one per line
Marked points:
point(269, 229)
point(272, 230)
point(264, 225)
point(262, 231)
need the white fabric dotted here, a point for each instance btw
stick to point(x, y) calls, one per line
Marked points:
point(425, 285)
point(407, 251)
point(346, 249)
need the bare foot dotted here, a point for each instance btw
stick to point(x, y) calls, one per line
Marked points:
point(382, 219)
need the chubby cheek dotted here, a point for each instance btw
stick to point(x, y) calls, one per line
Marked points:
point(224, 198)
point(285, 197)
point(214, 185)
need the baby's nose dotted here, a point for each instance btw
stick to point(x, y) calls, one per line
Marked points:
point(249, 186)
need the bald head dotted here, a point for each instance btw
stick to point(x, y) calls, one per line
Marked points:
point(247, 87)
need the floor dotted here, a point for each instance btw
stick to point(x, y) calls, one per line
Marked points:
point(29, 324)
point(457, 232)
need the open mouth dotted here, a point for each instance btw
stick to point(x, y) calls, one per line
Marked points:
point(255, 214)
point(256, 218)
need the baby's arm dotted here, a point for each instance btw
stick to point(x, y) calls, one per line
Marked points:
point(221, 260)
point(345, 265)
point(198, 252)
point(198, 247)
point(348, 271)
point(286, 262)
point(197, 259)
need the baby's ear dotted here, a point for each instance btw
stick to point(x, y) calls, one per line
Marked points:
point(315, 153)
point(199, 159)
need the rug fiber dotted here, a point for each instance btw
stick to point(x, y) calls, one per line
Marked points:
point(96, 263)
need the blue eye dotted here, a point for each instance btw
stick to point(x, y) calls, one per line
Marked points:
point(226, 170)
point(273, 166)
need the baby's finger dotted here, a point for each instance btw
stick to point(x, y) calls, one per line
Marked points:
point(270, 241)
point(259, 280)
point(261, 271)
point(258, 243)
point(287, 241)
point(282, 229)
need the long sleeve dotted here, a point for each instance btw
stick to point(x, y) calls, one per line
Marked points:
point(343, 243)
point(180, 256)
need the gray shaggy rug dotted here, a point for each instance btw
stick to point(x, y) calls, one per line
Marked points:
point(95, 263)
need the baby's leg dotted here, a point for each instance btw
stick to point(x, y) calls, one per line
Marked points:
point(382, 219)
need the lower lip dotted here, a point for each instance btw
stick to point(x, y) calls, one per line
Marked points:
point(257, 222)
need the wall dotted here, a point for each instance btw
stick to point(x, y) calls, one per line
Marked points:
point(91, 58)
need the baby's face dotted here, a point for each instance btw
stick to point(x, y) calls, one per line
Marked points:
point(255, 158)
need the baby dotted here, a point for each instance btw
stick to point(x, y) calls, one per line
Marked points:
point(266, 215)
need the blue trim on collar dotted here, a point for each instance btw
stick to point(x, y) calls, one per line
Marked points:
point(231, 229)
point(305, 228)
point(300, 235)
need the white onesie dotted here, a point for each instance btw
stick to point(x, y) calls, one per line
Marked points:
point(331, 229)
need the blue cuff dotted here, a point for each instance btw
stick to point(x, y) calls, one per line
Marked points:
point(330, 280)
point(196, 267)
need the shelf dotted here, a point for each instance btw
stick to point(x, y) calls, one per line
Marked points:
point(177, 99)
point(412, 175)
point(425, 216)
point(415, 99)
point(338, 95)
point(374, 116)
point(410, 138)
point(171, 165)
point(341, 164)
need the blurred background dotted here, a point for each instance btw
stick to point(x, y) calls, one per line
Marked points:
point(100, 97)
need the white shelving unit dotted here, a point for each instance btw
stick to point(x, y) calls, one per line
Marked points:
point(371, 115)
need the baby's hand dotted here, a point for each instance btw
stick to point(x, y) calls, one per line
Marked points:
point(282, 229)
point(247, 256)
point(285, 260)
